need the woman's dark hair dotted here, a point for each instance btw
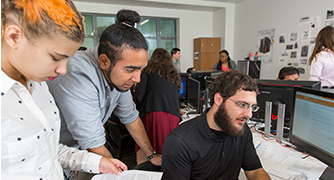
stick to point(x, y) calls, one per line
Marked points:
point(219, 65)
point(287, 71)
point(324, 39)
point(228, 83)
point(121, 36)
point(161, 63)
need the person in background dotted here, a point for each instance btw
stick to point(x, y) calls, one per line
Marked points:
point(216, 144)
point(288, 73)
point(97, 84)
point(157, 99)
point(225, 63)
point(322, 58)
point(176, 55)
point(189, 70)
point(37, 38)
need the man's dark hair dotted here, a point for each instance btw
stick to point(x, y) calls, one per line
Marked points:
point(228, 83)
point(121, 36)
point(287, 71)
point(174, 51)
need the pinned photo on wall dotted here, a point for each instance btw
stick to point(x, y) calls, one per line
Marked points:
point(285, 54)
point(306, 35)
point(293, 54)
point(282, 38)
point(289, 46)
point(330, 18)
point(304, 20)
point(304, 51)
point(293, 36)
point(303, 61)
point(315, 22)
point(265, 44)
point(330, 14)
point(293, 63)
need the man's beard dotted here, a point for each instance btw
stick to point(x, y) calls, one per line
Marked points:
point(225, 122)
point(111, 84)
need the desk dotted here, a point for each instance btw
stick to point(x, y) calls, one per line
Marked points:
point(283, 162)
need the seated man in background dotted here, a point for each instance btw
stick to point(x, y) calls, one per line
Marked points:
point(289, 73)
point(218, 143)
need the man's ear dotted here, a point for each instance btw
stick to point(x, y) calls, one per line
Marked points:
point(218, 99)
point(104, 61)
point(13, 35)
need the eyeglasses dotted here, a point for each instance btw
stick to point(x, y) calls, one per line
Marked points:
point(244, 106)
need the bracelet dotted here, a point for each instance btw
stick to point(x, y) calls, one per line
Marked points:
point(151, 156)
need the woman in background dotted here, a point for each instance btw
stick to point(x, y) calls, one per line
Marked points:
point(157, 100)
point(37, 38)
point(225, 63)
point(322, 58)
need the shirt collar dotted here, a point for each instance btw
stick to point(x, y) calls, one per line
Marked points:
point(6, 82)
point(203, 125)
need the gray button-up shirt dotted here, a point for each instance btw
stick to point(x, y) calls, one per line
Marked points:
point(86, 101)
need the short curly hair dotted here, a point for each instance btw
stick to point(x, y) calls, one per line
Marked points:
point(228, 83)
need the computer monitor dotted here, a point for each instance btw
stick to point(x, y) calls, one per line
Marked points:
point(183, 93)
point(200, 75)
point(312, 124)
point(279, 91)
point(215, 73)
point(194, 95)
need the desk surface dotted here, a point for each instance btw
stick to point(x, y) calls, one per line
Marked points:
point(283, 162)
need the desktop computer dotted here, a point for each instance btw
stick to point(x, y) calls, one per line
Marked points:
point(312, 125)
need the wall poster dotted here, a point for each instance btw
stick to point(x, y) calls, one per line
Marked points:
point(265, 45)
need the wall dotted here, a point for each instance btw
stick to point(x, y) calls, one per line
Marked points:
point(192, 23)
point(283, 15)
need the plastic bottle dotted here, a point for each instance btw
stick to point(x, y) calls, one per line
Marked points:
point(251, 56)
point(256, 56)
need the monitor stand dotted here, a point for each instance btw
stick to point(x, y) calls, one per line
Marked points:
point(280, 122)
point(328, 174)
point(267, 119)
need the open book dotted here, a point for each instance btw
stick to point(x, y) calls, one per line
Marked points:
point(130, 175)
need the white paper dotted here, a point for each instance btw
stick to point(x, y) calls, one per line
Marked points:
point(130, 175)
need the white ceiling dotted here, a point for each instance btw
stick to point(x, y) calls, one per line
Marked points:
point(199, 5)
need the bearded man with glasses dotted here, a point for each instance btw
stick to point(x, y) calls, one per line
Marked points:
point(217, 144)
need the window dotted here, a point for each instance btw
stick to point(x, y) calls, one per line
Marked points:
point(95, 25)
point(159, 32)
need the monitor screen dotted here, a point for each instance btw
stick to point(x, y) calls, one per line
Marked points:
point(278, 91)
point(183, 93)
point(194, 94)
point(312, 123)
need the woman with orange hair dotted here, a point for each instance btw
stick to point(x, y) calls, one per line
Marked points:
point(37, 38)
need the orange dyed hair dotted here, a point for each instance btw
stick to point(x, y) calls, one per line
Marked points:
point(44, 18)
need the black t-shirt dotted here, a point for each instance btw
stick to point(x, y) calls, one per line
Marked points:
point(193, 151)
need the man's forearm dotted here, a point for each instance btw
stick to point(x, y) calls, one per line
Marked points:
point(137, 131)
point(102, 150)
point(257, 174)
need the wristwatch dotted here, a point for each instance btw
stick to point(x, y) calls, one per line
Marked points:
point(151, 156)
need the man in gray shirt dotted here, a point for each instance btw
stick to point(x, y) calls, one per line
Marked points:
point(176, 55)
point(97, 83)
